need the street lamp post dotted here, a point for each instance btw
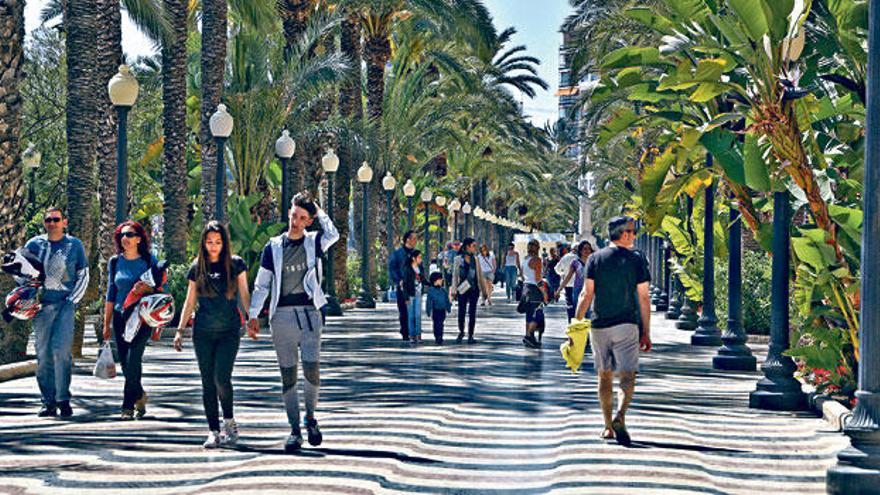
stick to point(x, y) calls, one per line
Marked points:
point(688, 316)
point(778, 390)
point(389, 183)
point(857, 471)
point(409, 190)
point(364, 176)
point(123, 89)
point(427, 195)
point(441, 235)
point(31, 159)
point(285, 147)
point(734, 354)
point(663, 304)
point(330, 164)
point(455, 205)
point(707, 333)
point(466, 211)
point(221, 127)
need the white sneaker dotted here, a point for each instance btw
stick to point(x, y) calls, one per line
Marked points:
point(229, 433)
point(213, 440)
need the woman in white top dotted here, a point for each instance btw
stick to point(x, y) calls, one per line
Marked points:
point(487, 265)
point(534, 294)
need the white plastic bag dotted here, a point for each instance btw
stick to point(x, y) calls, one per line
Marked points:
point(105, 367)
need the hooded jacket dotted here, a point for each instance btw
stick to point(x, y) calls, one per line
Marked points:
point(269, 276)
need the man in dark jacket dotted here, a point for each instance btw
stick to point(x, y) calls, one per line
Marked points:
point(396, 265)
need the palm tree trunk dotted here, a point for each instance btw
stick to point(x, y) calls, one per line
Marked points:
point(294, 14)
point(13, 337)
point(213, 70)
point(350, 106)
point(82, 115)
point(377, 51)
point(109, 58)
point(174, 176)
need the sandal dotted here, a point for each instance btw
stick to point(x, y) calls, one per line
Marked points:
point(620, 433)
point(607, 434)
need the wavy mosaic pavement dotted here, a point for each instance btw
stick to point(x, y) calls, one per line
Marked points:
point(486, 418)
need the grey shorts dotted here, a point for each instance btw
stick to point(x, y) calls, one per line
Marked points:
point(294, 328)
point(616, 348)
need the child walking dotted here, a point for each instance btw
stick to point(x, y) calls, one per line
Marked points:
point(438, 305)
point(413, 278)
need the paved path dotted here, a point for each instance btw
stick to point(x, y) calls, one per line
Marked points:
point(493, 417)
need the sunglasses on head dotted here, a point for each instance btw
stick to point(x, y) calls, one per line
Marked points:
point(129, 234)
point(52, 219)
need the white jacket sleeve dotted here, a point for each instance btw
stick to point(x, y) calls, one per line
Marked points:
point(330, 234)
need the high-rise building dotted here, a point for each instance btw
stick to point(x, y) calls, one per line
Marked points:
point(569, 94)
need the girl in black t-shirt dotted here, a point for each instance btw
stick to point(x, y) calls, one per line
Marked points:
point(218, 282)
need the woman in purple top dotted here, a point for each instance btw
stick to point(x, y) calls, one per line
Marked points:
point(576, 270)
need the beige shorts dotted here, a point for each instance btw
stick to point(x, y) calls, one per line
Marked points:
point(616, 348)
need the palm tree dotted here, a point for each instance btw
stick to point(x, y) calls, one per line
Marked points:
point(109, 57)
point(83, 89)
point(174, 177)
point(13, 338)
point(214, 22)
point(351, 108)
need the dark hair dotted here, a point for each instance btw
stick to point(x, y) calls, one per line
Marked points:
point(55, 208)
point(143, 246)
point(304, 201)
point(204, 287)
point(407, 234)
point(486, 247)
point(413, 255)
point(617, 225)
point(582, 245)
point(435, 277)
point(464, 245)
point(509, 246)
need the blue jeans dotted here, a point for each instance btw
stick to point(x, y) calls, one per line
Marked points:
point(510, 274)
point(53, 339)
point(414, 314)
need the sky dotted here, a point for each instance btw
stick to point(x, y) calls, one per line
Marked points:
point(536, 21)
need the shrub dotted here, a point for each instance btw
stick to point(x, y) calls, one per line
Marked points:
point(756, 292)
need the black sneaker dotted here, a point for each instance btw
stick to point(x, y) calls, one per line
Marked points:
point(315, 436)
point(529, 341)
point(294, 442)
point(472, 340)
point(459, 338)
point(48, 411)
point(64, 409)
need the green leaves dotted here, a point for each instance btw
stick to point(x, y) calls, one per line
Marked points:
point(755, 169)
point(617, 124)
point(724, 148)
point(751, 14)
point(651, 19)
point(631, 56)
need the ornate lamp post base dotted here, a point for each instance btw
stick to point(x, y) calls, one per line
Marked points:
point(857, 471)
point(780, 394)
point(688, 318)
point(707, 334)
point(365, 301)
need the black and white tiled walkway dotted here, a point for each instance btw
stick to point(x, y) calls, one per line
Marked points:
point(492, 417)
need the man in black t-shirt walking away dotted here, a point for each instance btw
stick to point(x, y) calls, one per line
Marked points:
point(618, 278)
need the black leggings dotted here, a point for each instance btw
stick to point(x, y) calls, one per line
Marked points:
point(467, 304)
point(131, 357)
point(402, 314)
point(216, 351)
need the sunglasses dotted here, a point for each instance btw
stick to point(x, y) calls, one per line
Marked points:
point(52, 219)
point(129, 234)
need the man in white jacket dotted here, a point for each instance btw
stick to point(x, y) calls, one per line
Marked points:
point(290, 270)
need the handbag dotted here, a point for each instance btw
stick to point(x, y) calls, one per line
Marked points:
point(463, 287)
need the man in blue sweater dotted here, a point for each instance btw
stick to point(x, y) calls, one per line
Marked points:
point(67, 276)
point(396, 265)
